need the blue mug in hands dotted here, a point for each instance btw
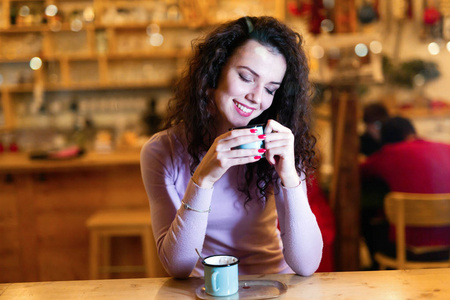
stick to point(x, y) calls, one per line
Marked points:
point(221, 275)
point(254, 145)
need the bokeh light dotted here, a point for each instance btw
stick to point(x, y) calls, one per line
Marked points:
point(24, 11)
point(434, 48)
point(51, 10)
point(376, 47)
point(419, 80)
point(35, 63)
point(156, 39)
point(89, 14)
point(317, 51)
point(361, 50)
point(76, 25)
point(328, 4)
point(327, 25)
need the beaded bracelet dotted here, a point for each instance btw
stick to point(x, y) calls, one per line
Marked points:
point(188, 207)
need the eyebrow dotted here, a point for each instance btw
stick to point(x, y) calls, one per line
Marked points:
point(256, 74)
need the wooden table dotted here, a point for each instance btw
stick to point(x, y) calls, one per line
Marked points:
point(412, 284)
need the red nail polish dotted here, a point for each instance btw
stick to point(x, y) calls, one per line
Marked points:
point(253, 130)
point(262, 150)
point(257, 157)
point(262, 136)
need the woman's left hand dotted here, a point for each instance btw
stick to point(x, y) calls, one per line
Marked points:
point(279, 144)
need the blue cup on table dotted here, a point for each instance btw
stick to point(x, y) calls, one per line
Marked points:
point(221, 275)
point(254, 145)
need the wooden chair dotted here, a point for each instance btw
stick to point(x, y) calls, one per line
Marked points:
point(103, 225)
point(408, 209)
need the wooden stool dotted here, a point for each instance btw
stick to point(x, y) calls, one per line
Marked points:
point(104, 225)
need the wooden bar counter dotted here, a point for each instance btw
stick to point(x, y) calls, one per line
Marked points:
point(413, 284)
point(44, 205)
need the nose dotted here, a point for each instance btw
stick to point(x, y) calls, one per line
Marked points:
point(256, 94)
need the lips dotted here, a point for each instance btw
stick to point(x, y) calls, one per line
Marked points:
point(243, 110)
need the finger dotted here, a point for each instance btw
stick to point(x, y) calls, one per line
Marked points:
point(284, 146)
point(227, 162)
point(274, 126)
point(235, 141)
point(270, 158)
point(244, 160)
point(278, 136)
point(240, 153)
point(237, 133)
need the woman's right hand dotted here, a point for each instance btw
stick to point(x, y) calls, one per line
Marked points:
point(221, 156)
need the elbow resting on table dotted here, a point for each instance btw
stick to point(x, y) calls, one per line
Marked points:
point(306, 271)
point(176, 268)
point(303, 266)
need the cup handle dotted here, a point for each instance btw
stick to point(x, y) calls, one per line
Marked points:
point(214, 281)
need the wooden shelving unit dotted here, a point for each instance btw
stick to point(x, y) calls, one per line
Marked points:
point(93, 45)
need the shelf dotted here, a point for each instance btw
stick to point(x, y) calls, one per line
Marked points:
point(16, 29)
point(97, 26)
point(166, 54)
point(163, 84)
point(28, 87)
point(144, 25)
point(173, 53)
point(18, 88)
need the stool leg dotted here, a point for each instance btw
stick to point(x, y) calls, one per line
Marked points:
point(106, 257)
point(148, 251)
point(94, 255)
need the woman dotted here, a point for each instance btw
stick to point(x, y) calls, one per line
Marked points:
point(204, 193)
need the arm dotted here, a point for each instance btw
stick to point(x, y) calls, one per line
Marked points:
point(371, 167)
point(177, 231)
point(300, 233)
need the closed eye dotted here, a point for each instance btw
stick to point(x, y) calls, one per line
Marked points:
point(271, 91)
point(245, 78)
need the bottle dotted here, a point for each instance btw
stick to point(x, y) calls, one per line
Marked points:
point(151, 119)
point(13, 15)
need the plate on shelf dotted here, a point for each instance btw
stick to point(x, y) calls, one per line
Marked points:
point(250, 289)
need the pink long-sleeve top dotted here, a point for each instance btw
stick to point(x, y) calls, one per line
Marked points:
point(248, 231)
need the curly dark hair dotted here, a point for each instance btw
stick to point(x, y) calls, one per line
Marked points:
point(291, 104)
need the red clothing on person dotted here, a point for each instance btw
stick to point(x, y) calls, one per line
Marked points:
point(416, 166)
point(326, 221)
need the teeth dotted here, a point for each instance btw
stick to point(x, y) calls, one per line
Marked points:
point(243, 108)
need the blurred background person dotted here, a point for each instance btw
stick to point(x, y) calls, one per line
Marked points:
point(373, 189)
point(373, 117)
point(407, 163)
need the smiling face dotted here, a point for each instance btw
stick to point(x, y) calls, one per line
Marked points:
point(247, 84)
